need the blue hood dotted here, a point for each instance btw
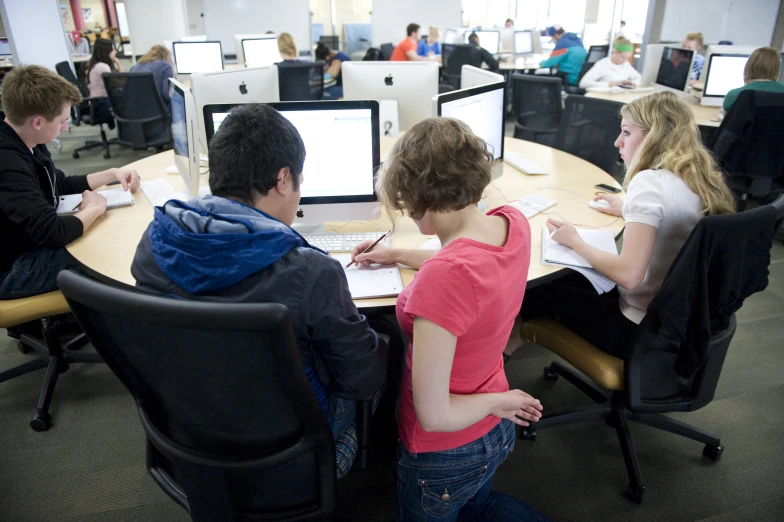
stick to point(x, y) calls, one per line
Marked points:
point(568, 40)
point(213, 243)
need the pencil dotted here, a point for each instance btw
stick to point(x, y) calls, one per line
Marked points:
point(368, 249)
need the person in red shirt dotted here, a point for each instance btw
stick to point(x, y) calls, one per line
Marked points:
point(457, 413)
point(407, 49)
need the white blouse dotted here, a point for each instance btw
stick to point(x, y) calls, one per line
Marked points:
point(605, 71)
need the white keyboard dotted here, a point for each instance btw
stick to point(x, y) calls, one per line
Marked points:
point(158, 191)
point(522, 164)
point(342, 242)
point(533, 205)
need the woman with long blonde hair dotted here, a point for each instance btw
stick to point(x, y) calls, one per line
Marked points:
point(287, 48)
point(671, 183)
point(159, 62)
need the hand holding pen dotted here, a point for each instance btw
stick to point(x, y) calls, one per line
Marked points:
point(371, 251)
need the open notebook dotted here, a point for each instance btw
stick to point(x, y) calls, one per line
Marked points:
point(114, 198)
point(554, 253)
point(367, 282)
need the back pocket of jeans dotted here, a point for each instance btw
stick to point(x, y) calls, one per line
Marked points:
point(443, 497)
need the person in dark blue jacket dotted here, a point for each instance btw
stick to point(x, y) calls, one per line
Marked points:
point(333, 61)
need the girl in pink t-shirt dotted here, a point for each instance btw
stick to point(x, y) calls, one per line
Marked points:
point(457, 414)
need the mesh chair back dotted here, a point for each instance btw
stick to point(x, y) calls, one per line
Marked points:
point(386, 50)
point(301, 81)
point(588, 130)
point(536, 101)
point(223, 396)
point(596, 53)
point(64, 70)
point(141, 117)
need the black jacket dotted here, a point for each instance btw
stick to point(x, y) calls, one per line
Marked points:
point(724, 261)
point(29, 187)
point(332, 336)
point(482, 55)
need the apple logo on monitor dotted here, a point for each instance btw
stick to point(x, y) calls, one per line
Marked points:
point(388, 80)
point(243, 88)
point(300, 213)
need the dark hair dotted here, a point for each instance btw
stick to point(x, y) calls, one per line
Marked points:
point(253, 143)
point(623, 22)
point(102, 48)
point(322, 51)
point(560, 31)
point(412, 28)
point(473, 38)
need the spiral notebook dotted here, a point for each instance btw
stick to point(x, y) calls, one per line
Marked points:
point(553, 253)
point(368, 282)
point(114, 198)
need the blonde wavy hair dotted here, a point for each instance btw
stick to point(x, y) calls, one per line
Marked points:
point(287, 47)
point(157, 53)
point(672, 141)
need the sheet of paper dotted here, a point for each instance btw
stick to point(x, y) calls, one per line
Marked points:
point(117, 197)
point(366, 282)
point(554, 252)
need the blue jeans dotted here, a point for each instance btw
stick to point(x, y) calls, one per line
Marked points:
point(333, 93)
point(35, 272)
point(455, 484)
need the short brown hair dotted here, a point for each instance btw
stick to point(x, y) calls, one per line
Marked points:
point(156, 53)
point(763, 64)
point(32, 90)
point(697, 37)
point(438, 165)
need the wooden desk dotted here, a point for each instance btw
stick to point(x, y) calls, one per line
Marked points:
point(109, 245)
point(702, 114)
point(521, 63)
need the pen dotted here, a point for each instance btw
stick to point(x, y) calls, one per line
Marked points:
point(368, 249)
point(550, 236)
point(76, 207)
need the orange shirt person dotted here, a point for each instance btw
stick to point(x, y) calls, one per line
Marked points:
point(407, 49)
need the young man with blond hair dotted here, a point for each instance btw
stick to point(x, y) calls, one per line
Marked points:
point(36, 108)
point(693, 42)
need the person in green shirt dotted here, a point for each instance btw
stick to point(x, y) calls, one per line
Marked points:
point(761, 73)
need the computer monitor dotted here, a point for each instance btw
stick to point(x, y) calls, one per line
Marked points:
point(651, 59)
point(507, 39)
point(235, 86)
point(523, 42)
point(238, 38)
point(198, 57)
point(482, 109)
point(5, 47)
point(341, 190)
point(194, 38)
point(471, 76)
point(490, 40)
point(725, 49)
point(781, 74)
point(450, 36)
point(260, 52)
point(674, 68)
point(725, 72)
point(184, 128)
point(411, 84)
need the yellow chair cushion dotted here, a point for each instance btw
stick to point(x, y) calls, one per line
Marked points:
point(18, 311)
point(603, 368)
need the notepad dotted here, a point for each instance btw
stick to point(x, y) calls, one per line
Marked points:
point(368, 282)
point(554, 253)
point(114, 198)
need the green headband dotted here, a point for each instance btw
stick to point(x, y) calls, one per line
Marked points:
point(624, 48)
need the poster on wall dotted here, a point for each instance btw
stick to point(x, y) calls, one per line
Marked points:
point(87, 14)
point(65, 14)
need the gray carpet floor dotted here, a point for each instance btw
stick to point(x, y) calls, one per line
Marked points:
point(89, 467)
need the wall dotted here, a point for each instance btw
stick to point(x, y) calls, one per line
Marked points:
point(153, 21)
point(2, 28)
point(390, 18)
point(194, 10)
point(46, 45)
point(778, 33)
point(223, 19)
point(743, 22)
point(97, 9)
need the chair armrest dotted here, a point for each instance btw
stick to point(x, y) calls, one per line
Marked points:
point(142, 120)
point(364, 420)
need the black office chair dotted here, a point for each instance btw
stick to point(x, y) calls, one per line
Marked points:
point(444, 88)
point(142, 119)
point(234, 430)
point(596, 53)
point(86, 112)
point(645, 385)
point(301, 81)
point(748, 145)
point(588, 130)
point(537, 107)
point(386, 50)
point(455, 59)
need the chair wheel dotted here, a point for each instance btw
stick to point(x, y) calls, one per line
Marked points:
point(106, 155)
point(713, 452)
point(550, 375)
point(635, 493)
point(528, 433)
point(41, 422)
point(75, 155)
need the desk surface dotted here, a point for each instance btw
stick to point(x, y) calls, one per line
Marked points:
point(109, 245)
point(521, 62)
point(702, 114)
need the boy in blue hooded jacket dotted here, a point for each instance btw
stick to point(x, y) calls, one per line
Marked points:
point(568, 55)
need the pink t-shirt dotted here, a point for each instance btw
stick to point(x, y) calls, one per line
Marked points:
point(96, 86)
point(474, 291)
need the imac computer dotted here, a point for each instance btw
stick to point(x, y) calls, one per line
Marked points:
point(651, 60)
point(238, 38)
point(183, 127)
point(194, 38)
point(482, 109)
point(490, 40)
point(251, 85)
point(5, 47)
point(674, 68)
point(471, 76)
point(725, 72)
point(450, 36)
point(411, 85)
point(507, 39)
point(332, 190)
point(524, 42)
point(198, 57)
point(725, 49)
point(259, 52)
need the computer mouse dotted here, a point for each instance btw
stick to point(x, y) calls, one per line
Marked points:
point(171, 170)
point(599, 203)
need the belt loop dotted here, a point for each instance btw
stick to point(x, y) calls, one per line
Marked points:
point(488, 444)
